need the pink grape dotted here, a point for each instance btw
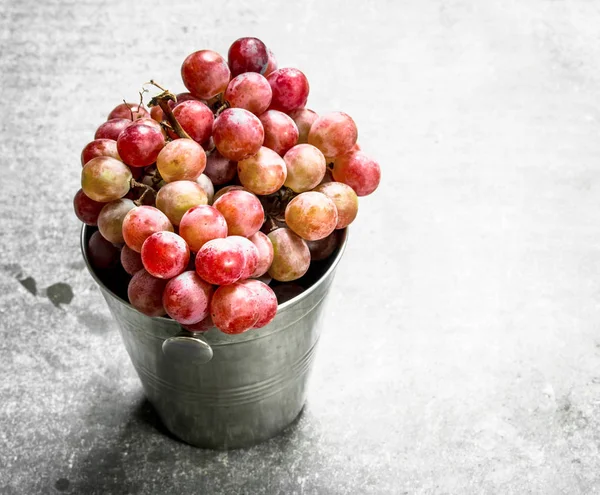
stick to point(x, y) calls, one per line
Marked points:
point(323, 248)
point(124, 111)
point(272, 64)
point(205, 183)
point(196, 119)
point(291, 257)
point(86, 209)
point(311, 215)
point(202, 326)
point(141, 222)
point(263, 173)
point(238, 134)
point(139, 145)
point(182, 159)
point(157, 114)
point(281, 132)
point(145, 293)
point(201, 224)
point(226, 189)
point(267, 301)
point(110, 220)
point(290, 89)
point(130, 260)
point(102, 253)
point(99, 147)
point(304, 119)
point(250, 255)
point(234, 308)
point(359, 171)
point(165, 254)
point(205, 74)
point(220, 261)
point(181, 97)
point(111, 129)
point(265, 253)
point(175, 198)
point(345, 200)
point(105, 179)
point(186, 298)
point(247, 55)
point(306, 167)
point(219, 169)
point(249, 91)
point(333, 133)
point(243, 212)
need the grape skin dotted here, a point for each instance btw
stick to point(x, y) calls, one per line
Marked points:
point(220, 261)
point(124, 111)
point(86, 209)
point(267, 301)
point(196, 119)
point(205, 183)
point(145, 293)
point(311, 215)
point(359, 171)
point(201, 224)
point(304, 119)
point(305, 166)
point(345, 200)
point(249, 91)
point(130, 260)
point(263, 173)
point(247, 55)
point(281, 132)
point(182, 159)
point(323, 248)
point(102, 254)
point(265, 253)
point(176, 198)
point(234, 308)
point(105, 179)
point(291, 257)
point(290, 89)
point(110, 220)
point(225, 189)
point(220, 170)
point(272, 63)
point(141, 222)
point(250, 252)
point(112, 128)
point(238, 134)
point(139, 145)
point(205, 74)
point(333, 133)
point(186, 298)
point(243, 212)
point(99, 147)
point(165, 255)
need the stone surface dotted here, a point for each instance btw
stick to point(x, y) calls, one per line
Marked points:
point(461, 352)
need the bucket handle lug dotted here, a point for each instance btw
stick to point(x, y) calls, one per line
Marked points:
point(187, 347)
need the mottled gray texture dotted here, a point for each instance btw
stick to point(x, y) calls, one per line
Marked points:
point(462, 348)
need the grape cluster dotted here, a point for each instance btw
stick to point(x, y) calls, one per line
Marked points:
point(286, 179)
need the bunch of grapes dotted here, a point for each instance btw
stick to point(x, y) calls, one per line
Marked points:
point(286, 180)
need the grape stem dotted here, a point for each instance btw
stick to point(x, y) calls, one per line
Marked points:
point(162, 100)
point(133, 184)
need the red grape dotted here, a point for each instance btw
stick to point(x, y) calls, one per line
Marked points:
point(131, 261)
point(181, 97)
point(290, 89)
point(124, 111)
point(281, 132)
point(243, 212)
point(345, 200)
point(186, 298)
point(286, 292)
point(311, 215)
point(175, 198)
point(202, 326)
point(99, 147)
point(110, 220)
point(219, 169)
point(267, 301)
point(272, 64)
point(205, 74)
point(225, 189)
point(234, 308)
point(323, 248)
point(333, 133)
point(291, 257)
point(220, 261)
point(102, 253)
point(265, 253)
point(195, 118)
point(305, 167)
point(205, 183)
point(145, 293)
point(263, 173)
point(105, 179)
point(139, 145)
point(359, 171)
point(157, 114)
point(165, 254)
point(250, 255)
point(112, 128)
point(182, 159)
point(249, 91)
point(201, 224)
point(247, 55)
point(304, 119)
point(238, 134)
point(86, 209)
point(141, 222)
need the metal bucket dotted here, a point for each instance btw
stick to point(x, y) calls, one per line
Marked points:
point(225, 391)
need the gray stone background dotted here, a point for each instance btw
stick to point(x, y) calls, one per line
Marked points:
point(461, 352)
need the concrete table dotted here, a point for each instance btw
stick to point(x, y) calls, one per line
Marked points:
point(462, 347)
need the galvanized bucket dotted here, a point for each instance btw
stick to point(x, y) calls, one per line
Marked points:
point(225, 391)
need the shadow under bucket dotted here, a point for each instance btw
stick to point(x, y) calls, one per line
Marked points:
point(250, 387)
